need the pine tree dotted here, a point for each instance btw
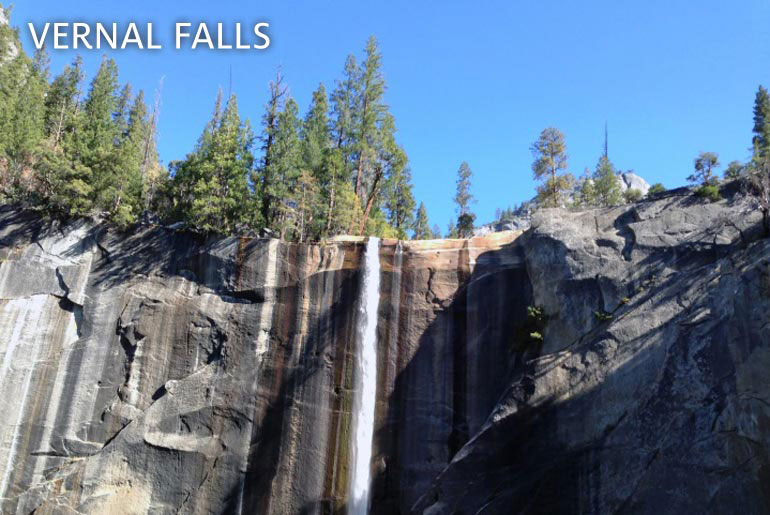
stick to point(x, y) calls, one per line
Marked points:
point(606, 184)
point(61, 104)
point(452, 230)
point(306, 199)
point(99, 129)
point(463, 199)
point(761, 139)
point(340, 160)
point(376, 153)
point(734, 170)
point(705, 165)
point(287, 166)
point(345, 107)
point(315, 135)
point(550, 158)
point(436, 232)
point(400, 202)
point(265, 175)
point(422, 230)
point(463, 196)
point(23, 87)
point(316, 176)
point(212, 182)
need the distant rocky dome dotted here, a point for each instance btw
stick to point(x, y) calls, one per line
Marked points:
point(631, 181)
point(628, 181)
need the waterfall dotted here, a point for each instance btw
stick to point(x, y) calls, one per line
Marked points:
point(365, 381)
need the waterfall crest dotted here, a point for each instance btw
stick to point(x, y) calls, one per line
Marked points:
point(365, 381)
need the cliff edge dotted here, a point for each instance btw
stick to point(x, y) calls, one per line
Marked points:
point(610, 360)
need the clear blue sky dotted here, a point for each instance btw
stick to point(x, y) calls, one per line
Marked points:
point(475, 81)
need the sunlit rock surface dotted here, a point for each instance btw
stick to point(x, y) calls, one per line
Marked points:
point(161, 371)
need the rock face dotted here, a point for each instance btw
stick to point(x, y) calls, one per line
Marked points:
point(631, 181)
point(165, 372)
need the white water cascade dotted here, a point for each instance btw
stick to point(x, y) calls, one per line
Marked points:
point(365, 381)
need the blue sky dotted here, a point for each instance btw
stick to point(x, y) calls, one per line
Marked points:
point(474, 82)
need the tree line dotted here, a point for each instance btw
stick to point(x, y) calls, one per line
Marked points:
point(74, 151)
point(601, 187)
point(338, 169)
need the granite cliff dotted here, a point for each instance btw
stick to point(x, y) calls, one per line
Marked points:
point(161, 371)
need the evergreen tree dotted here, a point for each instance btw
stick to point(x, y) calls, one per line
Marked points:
point(306, 199)
point(212, 182)
point(463, 199)
point(285, 163)
point(99, 129)
point(606, 184)
point(705, 165)
point(452, 230)
point(587, 193)
point(734, 170)
point(315, 135)
point(376, 153)
point(266, 173)
point(422, 230)
point(23, 87)
point(317, 181)
point(400, 202)
point(761, 140)
point(550, 158)
point(465, 225)
point(345, 109)
point(340, 160)
point(436, 232)
point(61, 103)
point(463, 196)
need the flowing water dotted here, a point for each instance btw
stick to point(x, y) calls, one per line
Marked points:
point(365, 381)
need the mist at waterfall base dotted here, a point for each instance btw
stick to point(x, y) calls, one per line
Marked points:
point(365, 381)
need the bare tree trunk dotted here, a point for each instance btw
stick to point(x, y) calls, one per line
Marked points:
point(369, 204)
point(331, 209)
point(59, 128)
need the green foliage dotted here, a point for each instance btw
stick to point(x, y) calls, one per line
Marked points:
point(603, 316)
point(452, 231)
point(211, 183)
point(655, 189)
point(761, 139)
point(72, 157)
point(734, 170)
point(550, 193)
point(550, 156)
point(704, 175)
point(465, 225)
point(400, 202)
point(463, 196)
point(422, 230)
point(23, 88)
point(757, 185)
point(709, 192)
point(463, 199)
point(705, 166)
point(339, 169)
point(536, 337)
point(602, 188)
point(533, 329)
point(632, 195)
point(536, 313)
point(375, 153)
